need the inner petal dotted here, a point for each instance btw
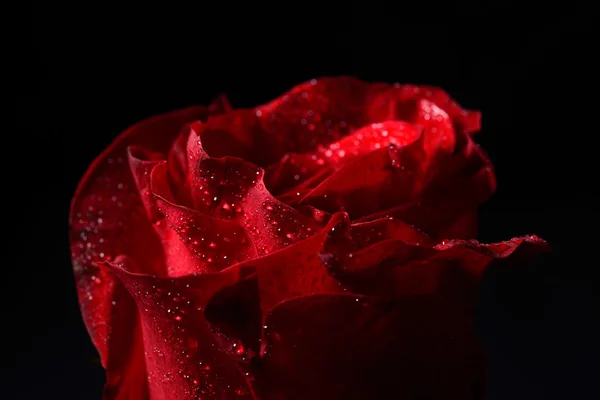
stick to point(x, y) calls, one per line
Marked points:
point(232, 189)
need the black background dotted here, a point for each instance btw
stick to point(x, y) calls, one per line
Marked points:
point(531, 69)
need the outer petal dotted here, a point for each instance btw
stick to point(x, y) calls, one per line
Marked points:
point(411, 337)
point(107, 218)
point(185, 359)
point(342, 346)
point(388, 258)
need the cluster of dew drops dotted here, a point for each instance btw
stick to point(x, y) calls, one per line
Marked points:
point(94, 222)
point(171, 316)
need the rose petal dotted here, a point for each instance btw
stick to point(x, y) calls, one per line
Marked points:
point(307, 170)
point(382, 180)
point(314, 113)
point(295, 270)
point(176, 259)
point(184, 357)
point(367, 233)
point(123, 359)
point(177, 163)
point(396, 261)
point(466, 180)
point(296, 172)
point(294, 197)
point(189, 246)
point(231, 188)
point(141, 163)
point(296, 168)
point(377, 181)
point(340, 346)
point(320, 216)
point(204, 243)
point(322, 112)
point(421, 182)
point(107, 218)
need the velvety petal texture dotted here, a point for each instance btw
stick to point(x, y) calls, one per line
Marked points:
point(320, 246)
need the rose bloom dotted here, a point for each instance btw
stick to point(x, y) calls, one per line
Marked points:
point(319, 246)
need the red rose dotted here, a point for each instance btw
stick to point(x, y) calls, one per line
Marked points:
point(316, 247)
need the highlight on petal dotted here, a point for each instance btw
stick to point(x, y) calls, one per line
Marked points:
point(422, 182)
point(376, 181)
point(307, 170)
point(317, 112)
point(444, 174)
point(338, 346)
point(184, 358)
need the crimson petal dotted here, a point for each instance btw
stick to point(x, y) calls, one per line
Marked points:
point(184, 357)
point(177, 163)
point(382, 180)
point(230, 188)
point(295, 270)
point(444, 209)
point(377, 181)
point(314, 113)
point(323, 111)
point(292, 271)
point(107, 219)
point(396, 261)
point(307, 170)
point(204, 243)
point(297, 171)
